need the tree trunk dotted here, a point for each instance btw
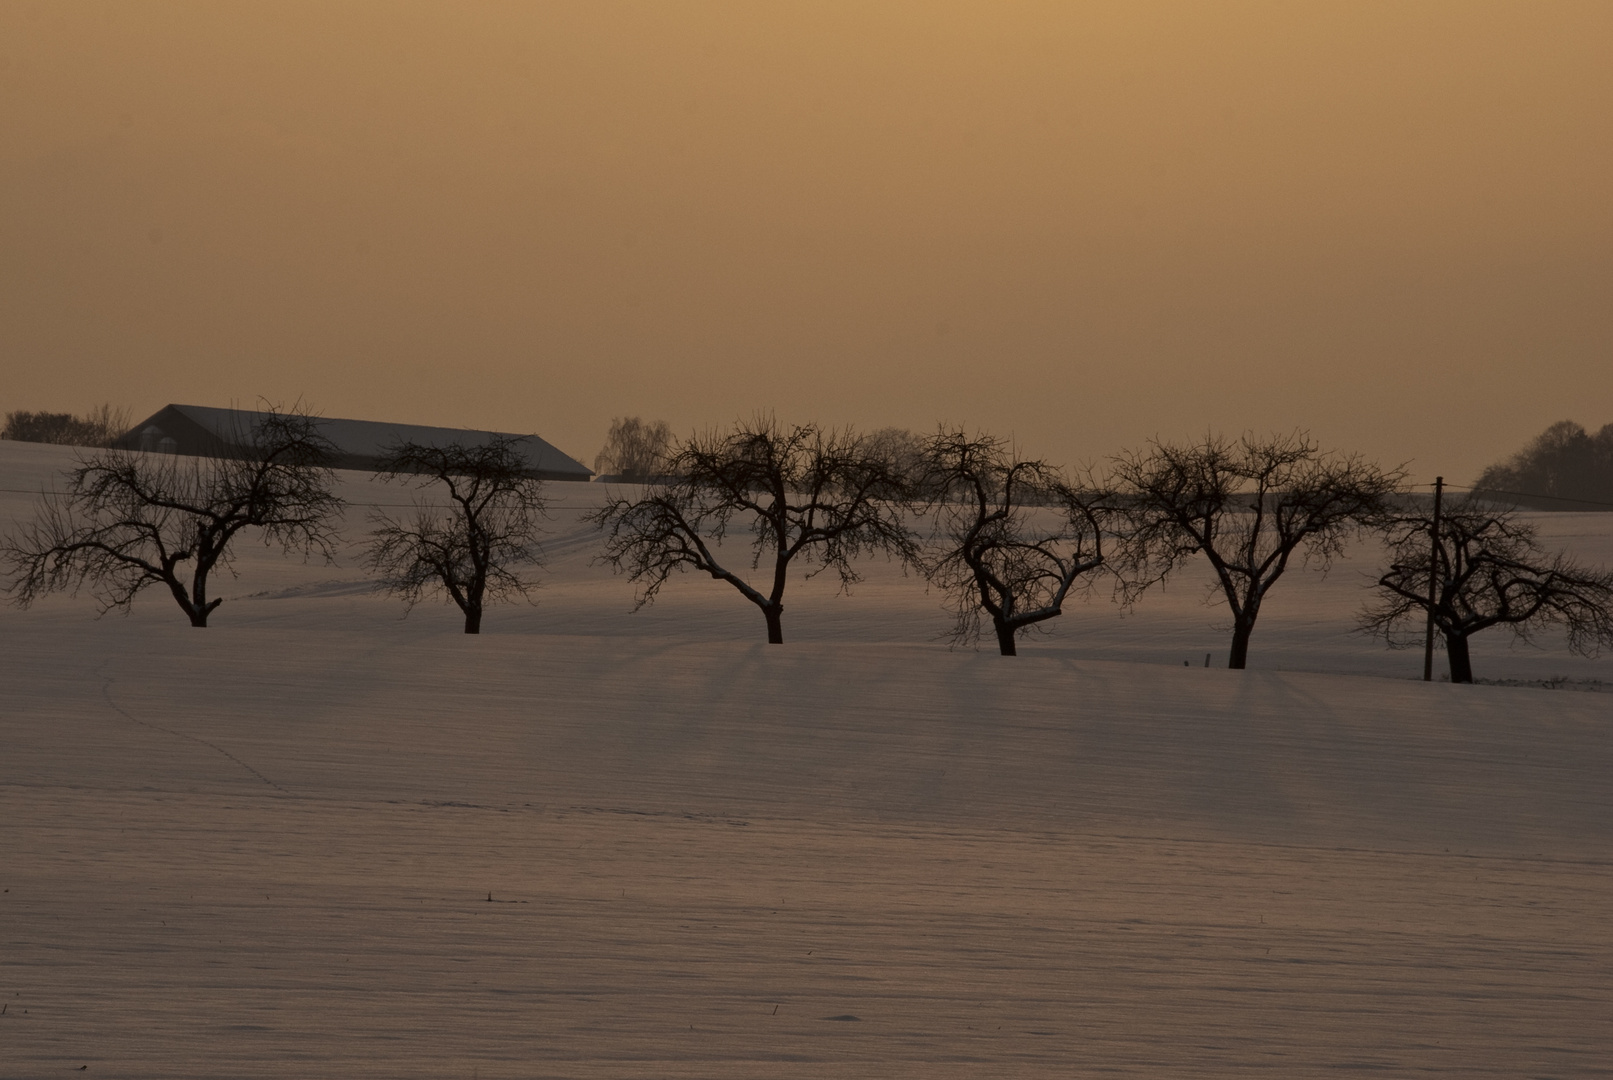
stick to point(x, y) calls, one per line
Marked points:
point(1461, 663)
point(1238, 659)
point(471, 604)
point(196, 611)
point(1005, 638)
point(774, 613)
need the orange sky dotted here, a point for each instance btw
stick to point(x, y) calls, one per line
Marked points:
point(1083, 224)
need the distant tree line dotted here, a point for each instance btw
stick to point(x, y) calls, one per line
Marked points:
point(1563, 468)
point(1007, 540)
point(98, 427)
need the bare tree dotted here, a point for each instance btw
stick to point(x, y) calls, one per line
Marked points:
point(636, 450)
point(1014, 536)
point(128, 521)
point(1490, 570)
point(1248, 506)
point(801, 492)
point(473, 549)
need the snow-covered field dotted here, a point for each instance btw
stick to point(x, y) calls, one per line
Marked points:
point(267, 848)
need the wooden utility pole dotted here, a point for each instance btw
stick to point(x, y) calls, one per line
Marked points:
point(1433, 582)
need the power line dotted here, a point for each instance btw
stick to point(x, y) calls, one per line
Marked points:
point(1525, 495)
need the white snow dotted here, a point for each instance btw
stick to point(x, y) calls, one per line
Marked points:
point(266, 848)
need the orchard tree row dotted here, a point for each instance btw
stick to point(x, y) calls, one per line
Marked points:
point(1007, 540)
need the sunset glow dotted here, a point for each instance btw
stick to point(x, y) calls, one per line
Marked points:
point(1079, 224)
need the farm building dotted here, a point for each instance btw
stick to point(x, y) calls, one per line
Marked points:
point(360, 444)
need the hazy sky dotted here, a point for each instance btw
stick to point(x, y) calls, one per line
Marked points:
point(1083, 224)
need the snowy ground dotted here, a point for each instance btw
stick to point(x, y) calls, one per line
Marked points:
point(266, 848)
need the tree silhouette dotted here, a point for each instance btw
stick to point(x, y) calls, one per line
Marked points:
point(1013, 536)
point(128, 521)
point(636, 450)
point(802, 493)
point(473, 548)
point(1490, 570)
point(1249, 506)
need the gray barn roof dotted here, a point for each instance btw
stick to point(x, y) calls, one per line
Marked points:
point(360, 444)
